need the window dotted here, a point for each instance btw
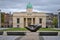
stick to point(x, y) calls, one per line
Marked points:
point(40, 20)
point(18, 20)
point(17, 26)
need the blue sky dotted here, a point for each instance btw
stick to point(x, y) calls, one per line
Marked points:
point(39, 5)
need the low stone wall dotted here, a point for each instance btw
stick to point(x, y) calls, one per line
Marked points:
point(13, 33)
point(48, 33)
point(1, 33)
point(18, 33)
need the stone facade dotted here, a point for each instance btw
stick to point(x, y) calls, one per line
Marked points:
point(34, 16)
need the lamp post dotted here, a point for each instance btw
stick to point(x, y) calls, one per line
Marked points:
point(0, 18)
point(58, 18)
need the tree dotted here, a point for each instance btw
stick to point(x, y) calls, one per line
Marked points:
point(55, 21)
point(2, 17)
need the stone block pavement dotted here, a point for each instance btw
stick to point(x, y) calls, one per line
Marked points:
point(30, 36)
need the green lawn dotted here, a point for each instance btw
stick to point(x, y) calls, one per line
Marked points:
point(15, 29)
point(24, 29)
point(47, 29)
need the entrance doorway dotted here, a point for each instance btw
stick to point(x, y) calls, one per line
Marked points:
point(29, 21)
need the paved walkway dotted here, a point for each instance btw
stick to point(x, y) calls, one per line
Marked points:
point(30, 36)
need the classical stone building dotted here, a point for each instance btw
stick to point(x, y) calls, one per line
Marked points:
point(5, 20)
point(23, 19)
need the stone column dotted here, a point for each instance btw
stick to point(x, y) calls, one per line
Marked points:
point(36, 20)
point(22, 22)
point(44, 22)
point(26, 22)
point(14, 22)
point(31, 21)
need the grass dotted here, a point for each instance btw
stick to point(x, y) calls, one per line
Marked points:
point(24, 29)
point(47, 29)
point(15, 29)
